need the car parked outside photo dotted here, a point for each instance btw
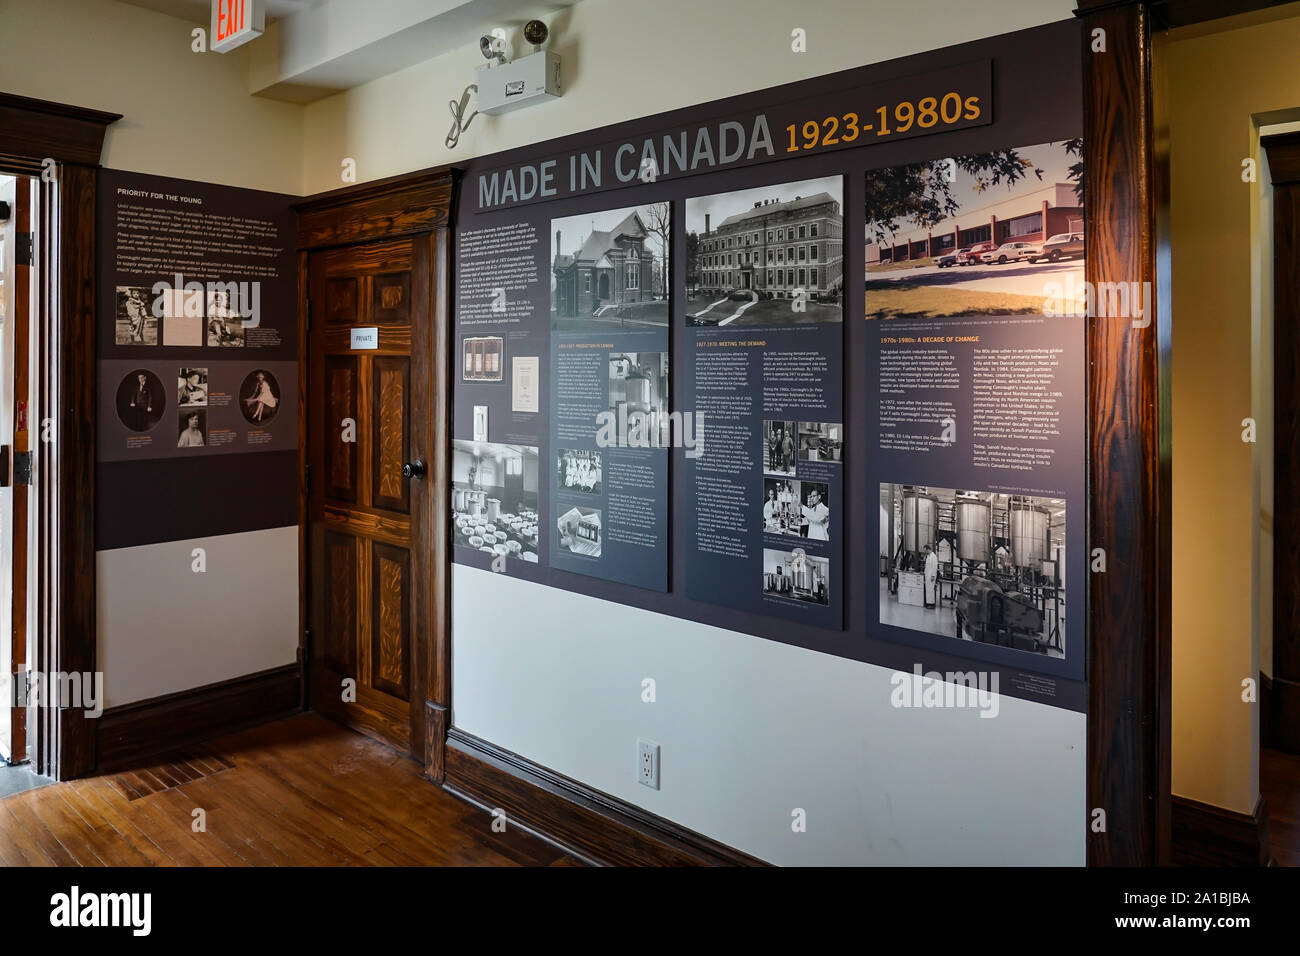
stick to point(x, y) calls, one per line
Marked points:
point(1058, 247)
point(1014, 251)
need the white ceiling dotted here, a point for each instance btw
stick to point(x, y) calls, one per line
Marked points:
point(200, 11)
point(319, 47)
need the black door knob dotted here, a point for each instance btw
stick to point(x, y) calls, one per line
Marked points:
point(413, 469)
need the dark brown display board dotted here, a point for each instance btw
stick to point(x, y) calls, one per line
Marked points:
point(198, 361)
point(843, 366)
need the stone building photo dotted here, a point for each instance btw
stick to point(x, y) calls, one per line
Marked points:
point(767, 256)
point(608, 269)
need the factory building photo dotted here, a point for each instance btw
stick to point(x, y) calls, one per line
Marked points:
point(974, 566)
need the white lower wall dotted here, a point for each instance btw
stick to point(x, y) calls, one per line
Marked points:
point(163, 628)
point(751, 730)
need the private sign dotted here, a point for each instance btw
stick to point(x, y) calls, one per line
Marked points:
point(235, 22)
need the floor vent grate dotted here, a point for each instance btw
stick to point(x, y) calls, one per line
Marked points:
point(169, 772)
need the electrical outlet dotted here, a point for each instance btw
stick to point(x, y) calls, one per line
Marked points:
point(647, 763)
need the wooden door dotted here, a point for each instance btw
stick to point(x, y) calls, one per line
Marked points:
point(15, 305)
point(371, 492)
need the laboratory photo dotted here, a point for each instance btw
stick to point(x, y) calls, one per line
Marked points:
point(494, 498)
point(638, 395)
point(796, 576)
point(798, 508)
point(578, 469)
point(974, 566)
point(821, 441)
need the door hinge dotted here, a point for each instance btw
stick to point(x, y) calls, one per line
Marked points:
point(24, 249)
point(306, 479)
point(22, 468)
point(22, 689)
point(309, 313)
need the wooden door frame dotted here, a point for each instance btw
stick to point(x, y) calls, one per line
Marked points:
point(1280, 703)
point(1129, 429)
point(65, 143)
point(413, 204)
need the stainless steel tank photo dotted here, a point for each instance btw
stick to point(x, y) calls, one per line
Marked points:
point(972, 521)
point(920, 520)
point(1030, 541)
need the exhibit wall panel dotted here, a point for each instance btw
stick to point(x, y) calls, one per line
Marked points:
point(196, 431)
point(752, 730)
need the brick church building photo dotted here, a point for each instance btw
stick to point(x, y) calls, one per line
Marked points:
point(611, 268)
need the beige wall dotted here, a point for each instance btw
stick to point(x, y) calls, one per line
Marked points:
point(1220, 86)
point(185, 114)
point(624, 59)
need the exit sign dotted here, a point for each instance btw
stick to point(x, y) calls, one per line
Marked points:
point(235, 22)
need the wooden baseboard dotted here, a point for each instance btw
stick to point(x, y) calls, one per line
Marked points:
point(150, 727)
point(1205, 835)
point(593, 826)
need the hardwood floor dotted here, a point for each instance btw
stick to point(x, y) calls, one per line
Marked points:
point(298, 792)
point(1279, 782)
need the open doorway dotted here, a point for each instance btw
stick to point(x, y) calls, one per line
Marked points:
point(1279, 755)
point(17, 201)
point(54, 149)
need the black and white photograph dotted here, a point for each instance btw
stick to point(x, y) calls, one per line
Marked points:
point(974, 566)
point(259, 397)
point(997, 233)
point(193, 428)
point(796, 508)
point(821, 441)
point(779, 447)
point(225, 324)
point(796, 576)
point(610, 269)
point(773, 255)
point(638, 387)
point(580, 531)
point(141, 400)
point(483, 358)
point(225, 332)
point(135, 323)
point(192, 387)
point(577, 469)
point(494, 498)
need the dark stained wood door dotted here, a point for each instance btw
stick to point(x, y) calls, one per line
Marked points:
point(371, 524)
